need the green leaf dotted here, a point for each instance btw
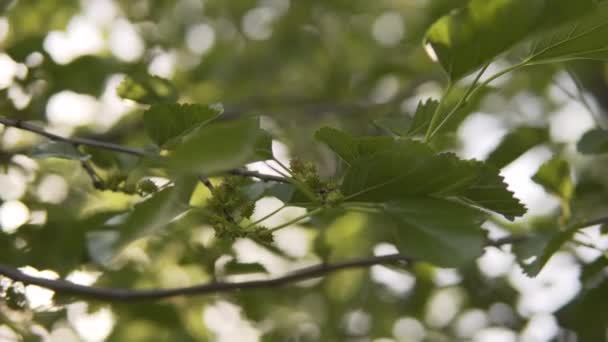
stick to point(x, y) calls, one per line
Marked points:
point(263, 146)
point(490, 191)
point(234, 267)
point(412, 169)
point(146, 218)
point(398, 126)
point(516, 143)
point(587, 314)
point(535, 251)
point(554, 177)
point(594, 141)
point(57, 150)
point(537, 247)
point(217, 147)
point(148, 89)
point(423, 116)
point(425, 111)
point(166, 121)
point(442, 232)
point(409, 168)
point(468, 38)
point(350, 148)
point(584, 38)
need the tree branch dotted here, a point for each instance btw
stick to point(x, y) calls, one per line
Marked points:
point(26, 126)
point(117, 294)
point(20, 124)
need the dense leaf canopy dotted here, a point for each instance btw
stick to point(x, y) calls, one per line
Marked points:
point(285, 170)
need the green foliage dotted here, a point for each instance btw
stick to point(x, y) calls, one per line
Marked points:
point(386, 169)
point(451, 239)
point(517, 143)
point(554, 176)
point(234, 144)
point(147, 89)
point(166, 122)
point(472, 36)
point(593, 142)
point(143, 186)
point(581, 39)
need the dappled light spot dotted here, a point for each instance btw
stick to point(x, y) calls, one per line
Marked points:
point(68, 108)
point(13, 214)
point(518, 175)
point(443, 306)
point(52, 189)
point(81, 37)
point(13, 184)
point(469, 322)
point(226, 321)
point(388, 29)
point(443, 277)
point(93, 326)
point(386, 89)
point(8, 70)
point(38, 297)
point(257, 23)
point(540, 327)
point(570, 122)
point(4, 29)
point(409, 329)
point(495, 334)
point(554, 286)
point(200, 38)
point(495, 262)
point(125, 42)
point(357, 323)
point(163, 65)
point(399, 282)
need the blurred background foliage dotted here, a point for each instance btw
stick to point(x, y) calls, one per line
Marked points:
point(352, 64)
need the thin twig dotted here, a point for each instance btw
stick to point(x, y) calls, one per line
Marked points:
point(117, 294)
point(95, 179)
point(26, 126)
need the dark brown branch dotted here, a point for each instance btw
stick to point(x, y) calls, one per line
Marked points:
point(26, 126)
point(76, 141)
point(116, 294)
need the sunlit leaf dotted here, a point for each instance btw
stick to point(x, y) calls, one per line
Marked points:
point(554, 177)
point(148, 89)
point(585, 38)
point(468, 38)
